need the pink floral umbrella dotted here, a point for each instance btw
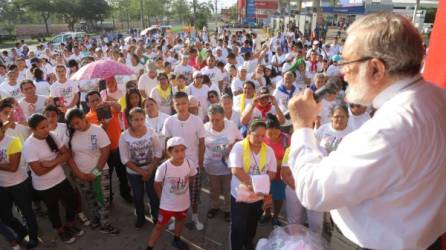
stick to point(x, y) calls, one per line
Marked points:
point(101, 69)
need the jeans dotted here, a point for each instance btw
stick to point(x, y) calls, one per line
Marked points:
point(64, 193)
point(6, 232)
point(20, 195)
point(114, 162)
point(138, 186)
point(244, 219)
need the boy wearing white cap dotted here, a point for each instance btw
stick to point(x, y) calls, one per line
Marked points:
point(172, 180)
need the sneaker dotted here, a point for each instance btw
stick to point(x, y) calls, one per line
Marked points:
point(198, 225)
point(275, 222)
point(75, 231)
point(265, 218)
point(179, 244)
point(109, 229)
point(83, 219)
point(31, 244)
point(67, 237)
point(212, 212)
point(16, 247)
point(171, 226)
point(227, 216)
point(140, 223)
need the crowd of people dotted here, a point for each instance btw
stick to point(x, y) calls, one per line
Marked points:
point(197, 107)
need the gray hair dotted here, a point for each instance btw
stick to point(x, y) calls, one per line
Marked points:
point(319, 76)
point(216, 109)
point(341, 106)
point(391, 38)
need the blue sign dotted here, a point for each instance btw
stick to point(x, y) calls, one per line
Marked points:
point(352, 10)
point(250, 12)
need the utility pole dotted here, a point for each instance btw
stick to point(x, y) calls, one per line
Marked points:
point(141, 6)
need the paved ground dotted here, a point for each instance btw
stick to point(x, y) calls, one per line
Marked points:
point(214, 236)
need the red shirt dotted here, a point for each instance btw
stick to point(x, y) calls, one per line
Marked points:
point(279, 149)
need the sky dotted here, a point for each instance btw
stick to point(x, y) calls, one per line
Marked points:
point(223, 3)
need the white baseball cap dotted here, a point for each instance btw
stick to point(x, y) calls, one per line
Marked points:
point(175, 141)
point(197, 73)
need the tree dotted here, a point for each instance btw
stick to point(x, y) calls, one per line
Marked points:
point(181, 10)
point(44, 7)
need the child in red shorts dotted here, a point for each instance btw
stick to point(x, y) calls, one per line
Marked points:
point(172, 186)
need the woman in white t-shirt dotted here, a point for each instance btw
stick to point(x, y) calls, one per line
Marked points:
point(330, 134)
point(42, 86)
point(163, 94)
point(59, 129)
point(45, 153)
point(249, 159)
point(136, 66)
point(90, 147)
point(230, 114)
point(155, 119)
point(140, 152)
point(220, 136)
point(15, 188)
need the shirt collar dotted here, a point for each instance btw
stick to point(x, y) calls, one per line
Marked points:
point(392, 90)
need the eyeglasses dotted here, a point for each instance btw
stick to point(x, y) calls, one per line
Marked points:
point(343, 64)
point(362, 59)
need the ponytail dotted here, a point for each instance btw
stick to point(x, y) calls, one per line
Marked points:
point(33, 122)
point(72, 113)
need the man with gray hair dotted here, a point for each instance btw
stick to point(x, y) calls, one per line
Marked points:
point(385, 184)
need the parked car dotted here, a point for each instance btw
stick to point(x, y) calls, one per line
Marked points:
point(64, 37)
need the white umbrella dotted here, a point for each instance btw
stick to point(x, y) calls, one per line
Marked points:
point(127, 39)
point(153, 27)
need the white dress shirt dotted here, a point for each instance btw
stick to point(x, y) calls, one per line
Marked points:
point(385, 184)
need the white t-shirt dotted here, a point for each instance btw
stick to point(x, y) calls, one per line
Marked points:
point(175, 195)
point(283, 98)
point(60, 131)
point(326, 107)
point(11, 90)
point(86, 146)
point(32, 108)
point(235, 118)
point(356, 121)
point(215, 74)
point(38, 150)
point(329, 138)
point(163, 104)
point(191, 130)
point(86, 86)
point(42, 88)
point(237, 85)
point(156, 124)
point(67, 90)
point(201, 94)
point(237, 103)
point(115, 95)
point(146, 83)
point(185, 70)
point(10, 145)
point(217, 147)
point(140, 151)
point(236, 161)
